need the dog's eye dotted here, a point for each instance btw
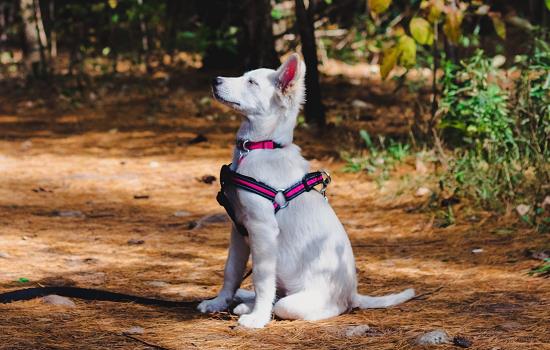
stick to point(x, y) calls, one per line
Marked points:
point(252, 82)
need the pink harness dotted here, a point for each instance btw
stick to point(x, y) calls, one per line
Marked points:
point(230, 177)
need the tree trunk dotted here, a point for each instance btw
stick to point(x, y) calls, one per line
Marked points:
point(35, 38)
point(314, 109)
point(53, 32)
point(260, 44)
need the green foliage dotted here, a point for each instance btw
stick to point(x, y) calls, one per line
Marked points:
point(543, 269)
point(474, 107)
point(382, 157)
point(500, 138)
point(204, 37)
point(531, 106)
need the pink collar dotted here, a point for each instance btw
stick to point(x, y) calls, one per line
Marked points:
point(246, 146)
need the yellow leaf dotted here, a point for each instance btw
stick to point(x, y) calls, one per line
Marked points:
point(436, 8)
point(398, 31)
point(407, 47)
point(379, 6)
point(498, 23)
point(452, 26)
point(421, 31)
point(112, 3)
point(389, 61)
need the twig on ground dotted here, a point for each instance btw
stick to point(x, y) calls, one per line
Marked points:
point(143, 341)
point(424, 295)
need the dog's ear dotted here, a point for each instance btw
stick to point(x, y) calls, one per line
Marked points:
point(290, 73)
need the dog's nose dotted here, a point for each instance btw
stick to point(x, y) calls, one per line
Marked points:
point(216, 81)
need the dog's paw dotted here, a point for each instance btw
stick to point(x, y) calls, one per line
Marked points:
point(213, 305)
point(243, 308)
point(255, 320)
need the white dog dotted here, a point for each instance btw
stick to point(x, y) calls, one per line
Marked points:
point(303, 263)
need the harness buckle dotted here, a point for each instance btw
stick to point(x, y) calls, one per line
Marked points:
point(307, 187)
point(326, 180)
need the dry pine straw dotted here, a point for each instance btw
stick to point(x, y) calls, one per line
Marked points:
point(80, 162)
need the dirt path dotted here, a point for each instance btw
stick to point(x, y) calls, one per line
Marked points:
point(109, 197)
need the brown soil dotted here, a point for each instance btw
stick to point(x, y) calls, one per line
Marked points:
point(124, 160)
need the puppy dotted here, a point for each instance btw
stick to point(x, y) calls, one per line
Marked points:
point(303, 263)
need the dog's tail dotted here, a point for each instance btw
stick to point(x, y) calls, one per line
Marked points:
point(368, 302)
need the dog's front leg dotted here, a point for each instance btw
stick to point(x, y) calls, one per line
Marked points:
point(263, 230)
point(235, 265)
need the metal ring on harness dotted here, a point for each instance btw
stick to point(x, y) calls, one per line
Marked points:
point(326, 180)
point(281, 191)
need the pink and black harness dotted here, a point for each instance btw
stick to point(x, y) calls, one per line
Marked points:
point(247, 183)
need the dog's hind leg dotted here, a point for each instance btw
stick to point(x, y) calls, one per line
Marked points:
point(307, 305)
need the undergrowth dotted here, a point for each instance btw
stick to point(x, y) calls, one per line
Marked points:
point(381, 157)
point(499, 137)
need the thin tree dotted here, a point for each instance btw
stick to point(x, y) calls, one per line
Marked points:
point(314, 109)
point(36, 61)
point(260, 43)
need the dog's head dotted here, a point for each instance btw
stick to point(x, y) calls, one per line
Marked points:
point(264, 92)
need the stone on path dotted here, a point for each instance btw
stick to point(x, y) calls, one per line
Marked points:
point(58, 300)
point(438, 336)
point(357, 331)
point(134, 330)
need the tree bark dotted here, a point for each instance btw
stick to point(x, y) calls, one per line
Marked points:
point(260, 43)
point(35, 38)
point(314, 109)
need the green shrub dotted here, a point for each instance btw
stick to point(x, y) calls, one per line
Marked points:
point(500, 138)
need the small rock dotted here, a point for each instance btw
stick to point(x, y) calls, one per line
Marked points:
point(359, 104)
point(207, 179)
point(477, 250)
point(134, 330)
point(522, 209)
point(4, 255)
point(462, 342)
point(422, 192)
point(181, 213)
point(58, 301)
point(198, 139)
point(25, 145)
point(546, 201)
point(141, 196)
point(134, 241)
point(420, 166)
point(69, 213)
point(160, 284)
point(357, 331)
point(154, 164)
point(437, 336)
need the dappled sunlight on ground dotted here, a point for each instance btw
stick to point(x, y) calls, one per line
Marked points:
point(110, 196)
